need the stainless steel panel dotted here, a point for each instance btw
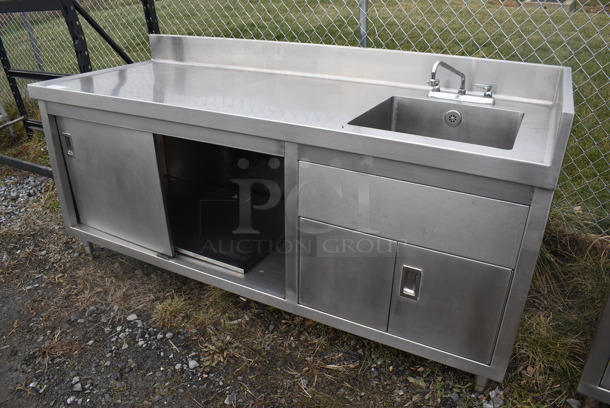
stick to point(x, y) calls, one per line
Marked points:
point(461, 224)
point(605, 383)
point(430, 176)
point(60, 172)
point(346, 273)
point(526, 263)
point(154, 125)
point(364, 64)
point(115, 182)
point(291, 180)
point(300, 99)
point(459, 306)
point(595, 379)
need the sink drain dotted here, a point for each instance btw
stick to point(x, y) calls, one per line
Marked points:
point(453, 118)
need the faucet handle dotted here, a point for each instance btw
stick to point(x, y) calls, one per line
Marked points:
point(435, 84)
point(487, 88)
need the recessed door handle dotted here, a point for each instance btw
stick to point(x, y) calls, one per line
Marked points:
point(68, 144)
point(410, 282)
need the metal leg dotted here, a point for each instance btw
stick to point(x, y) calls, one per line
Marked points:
point(480, 383)
point(4, 118)
point(88, 248)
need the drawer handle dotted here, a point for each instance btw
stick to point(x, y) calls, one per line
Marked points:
point(410, 281)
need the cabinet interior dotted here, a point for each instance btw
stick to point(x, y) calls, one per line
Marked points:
point(225, 206)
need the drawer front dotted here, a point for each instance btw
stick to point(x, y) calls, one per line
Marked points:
point(475, 227)
point(345, 273)
point(447, 302)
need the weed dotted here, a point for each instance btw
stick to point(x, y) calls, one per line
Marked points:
point(57, 347)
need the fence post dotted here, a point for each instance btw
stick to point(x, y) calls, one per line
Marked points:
point(78, 35)
point(363, 7)
point(33, 41)
point(150, 13)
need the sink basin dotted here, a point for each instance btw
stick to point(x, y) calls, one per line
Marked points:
point(481, 125)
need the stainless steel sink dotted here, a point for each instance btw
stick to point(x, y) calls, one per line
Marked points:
point(481, 125)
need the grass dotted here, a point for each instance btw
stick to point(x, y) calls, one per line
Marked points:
point(570, 285)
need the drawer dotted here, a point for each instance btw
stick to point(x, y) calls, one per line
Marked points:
point(462, 224)
point(345, 273)
point(448, 302)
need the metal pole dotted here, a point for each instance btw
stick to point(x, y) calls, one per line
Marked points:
point(363, 6)
point(27, 166)
point(11, 123)
point(150, 13)
point(33, 41)
point(102, 33)
point(6, 65)
point(78, 35)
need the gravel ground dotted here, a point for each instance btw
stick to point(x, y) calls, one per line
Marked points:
point(16, 192)
point(80, 332)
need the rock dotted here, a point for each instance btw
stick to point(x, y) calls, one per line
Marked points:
point(304, 382)
point(487, 405)
point(70, 400)
point(77, 387)
point(178, 366)
point(75, 380)
point(125, 345)
point(574, 403)
point(231, 398)
point(497, 401)
point(33, 384)
point(132, 317)
point(193, 364)
point(169, 335)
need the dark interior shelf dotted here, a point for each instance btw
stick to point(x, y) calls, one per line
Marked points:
point(225, 205)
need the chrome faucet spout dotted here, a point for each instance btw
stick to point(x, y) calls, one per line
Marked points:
point(435, 83)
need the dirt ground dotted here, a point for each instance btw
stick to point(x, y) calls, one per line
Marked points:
point(112, 331)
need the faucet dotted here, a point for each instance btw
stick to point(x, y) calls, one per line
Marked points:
point(435, 83)
point(461, 96)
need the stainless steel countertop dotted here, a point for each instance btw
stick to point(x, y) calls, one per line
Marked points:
point(314, 109)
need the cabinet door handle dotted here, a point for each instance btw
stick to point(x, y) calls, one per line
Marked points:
point(68, 144)
point(410, 281)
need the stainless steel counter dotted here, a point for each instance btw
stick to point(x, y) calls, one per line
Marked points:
point(155, 159)
point(313, 108)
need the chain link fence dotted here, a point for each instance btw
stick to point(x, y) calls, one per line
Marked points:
point(559, 32)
